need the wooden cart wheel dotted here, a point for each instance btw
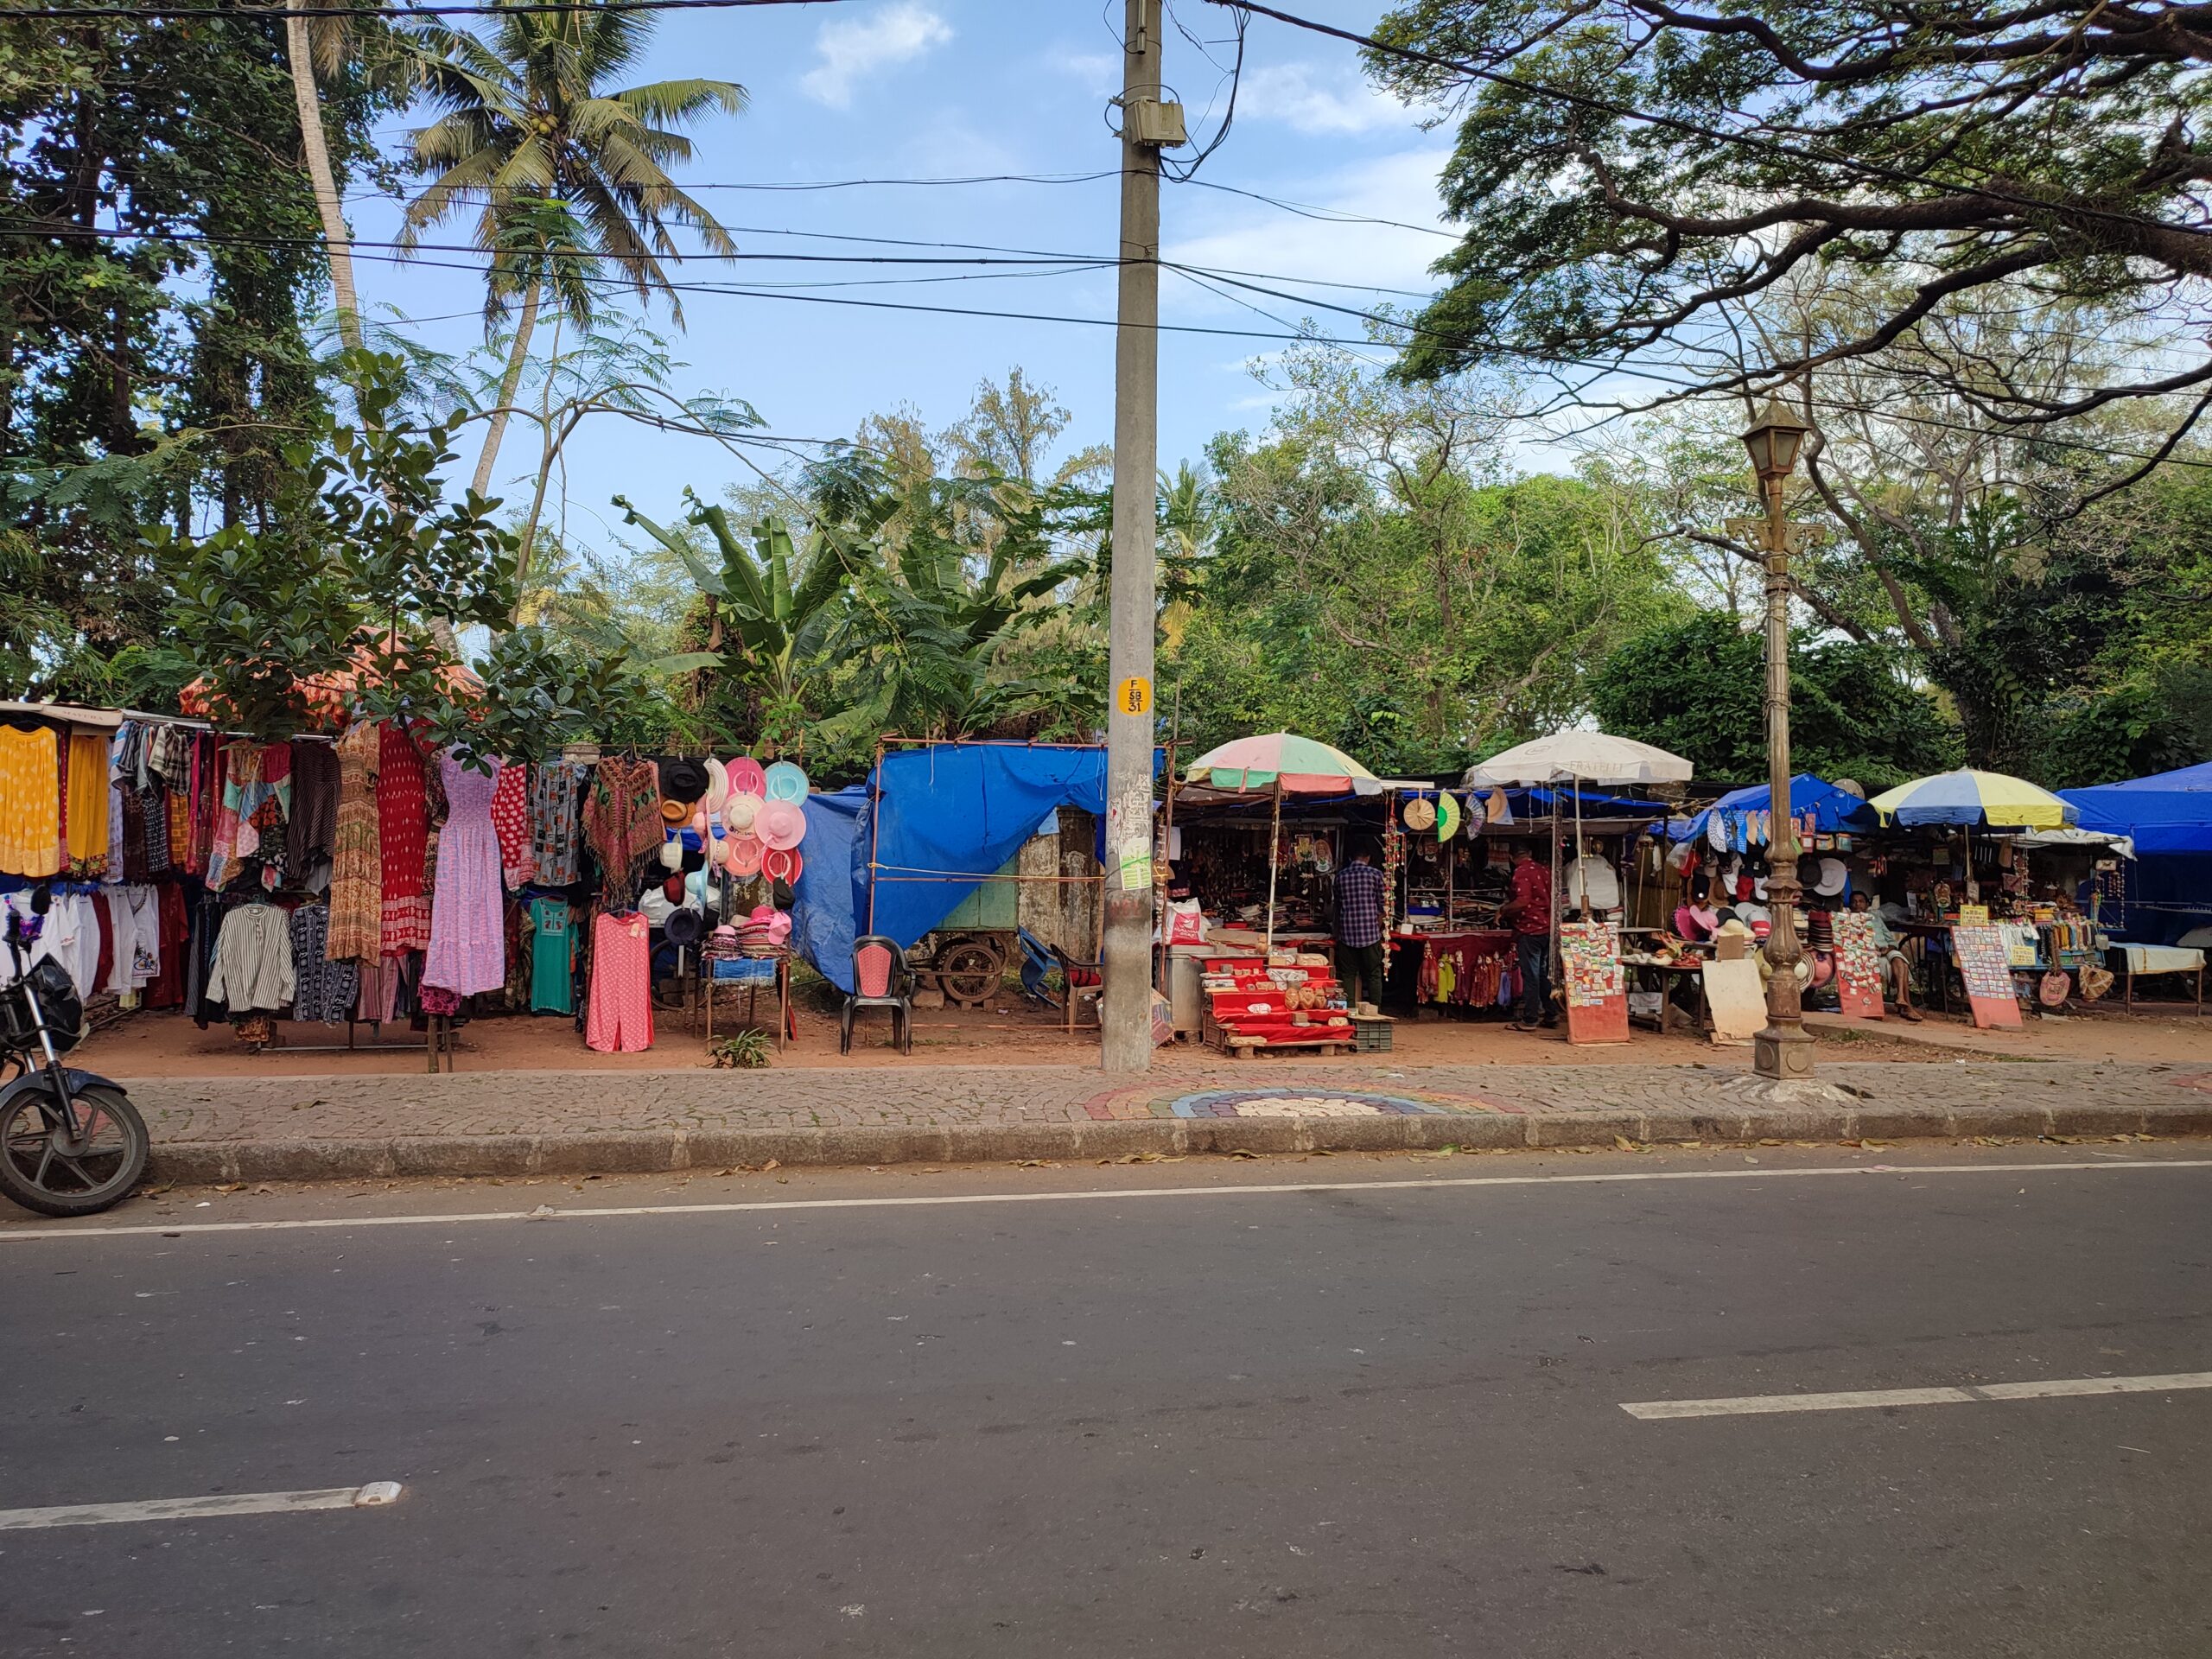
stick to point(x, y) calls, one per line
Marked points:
point(969, 970)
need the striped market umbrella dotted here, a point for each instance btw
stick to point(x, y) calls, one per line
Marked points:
point(1302, 766)
point(1970, 797)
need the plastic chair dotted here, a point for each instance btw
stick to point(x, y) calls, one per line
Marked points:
point(1040, 960)
point(880, 980)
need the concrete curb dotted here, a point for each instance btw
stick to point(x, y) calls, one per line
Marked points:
point(652, 1151)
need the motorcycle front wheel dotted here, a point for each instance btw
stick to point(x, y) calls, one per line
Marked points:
point(42, 1168)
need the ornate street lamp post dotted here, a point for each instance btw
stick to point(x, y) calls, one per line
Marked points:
point(1783, 1052)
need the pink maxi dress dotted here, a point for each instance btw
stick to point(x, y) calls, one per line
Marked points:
point(468, 951)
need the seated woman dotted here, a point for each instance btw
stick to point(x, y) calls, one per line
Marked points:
point(1897, 967)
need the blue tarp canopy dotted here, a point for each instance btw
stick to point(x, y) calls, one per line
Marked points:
point(2168, 813)
point(940, 821)
point(1834, 808)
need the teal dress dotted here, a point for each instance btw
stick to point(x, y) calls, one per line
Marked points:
point(552, 989)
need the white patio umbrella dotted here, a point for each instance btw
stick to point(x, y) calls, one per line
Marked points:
point(1576, 758)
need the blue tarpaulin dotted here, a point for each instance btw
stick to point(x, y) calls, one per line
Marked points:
point(939, 821)
point(1835, 809)
point(2168, 816)
point(2168, 813)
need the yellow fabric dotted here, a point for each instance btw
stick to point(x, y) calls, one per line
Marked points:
point(30, 801)
point(87, 798)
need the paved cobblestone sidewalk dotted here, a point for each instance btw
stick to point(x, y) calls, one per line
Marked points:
point(498, 1123)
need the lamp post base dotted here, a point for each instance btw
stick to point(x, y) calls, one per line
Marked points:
point(1783, 1053)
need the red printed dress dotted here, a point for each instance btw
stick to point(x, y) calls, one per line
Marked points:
point(403, 838)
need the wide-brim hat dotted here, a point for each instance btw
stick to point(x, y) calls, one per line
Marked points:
point(1835, 875)
point(740, 810)
point(781, 824)
point(684, 780)
point(783, 864)
point(683, 927)
point(784, 781)
point(747, 777)
point(717, 785)
point(744, 854)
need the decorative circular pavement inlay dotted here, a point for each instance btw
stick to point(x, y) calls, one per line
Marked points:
point(1290, 1102)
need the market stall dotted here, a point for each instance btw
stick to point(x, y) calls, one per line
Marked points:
point(1588, 949)
point(356, 876)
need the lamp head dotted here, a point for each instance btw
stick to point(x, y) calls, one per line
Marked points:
point(1774, 440)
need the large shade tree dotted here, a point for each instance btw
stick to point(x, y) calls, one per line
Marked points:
point(1627, 170)
point(566, 175)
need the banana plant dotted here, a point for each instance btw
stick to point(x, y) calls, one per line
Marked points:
point(768, 629)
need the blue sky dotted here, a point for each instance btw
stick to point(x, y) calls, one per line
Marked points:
point(937, 88)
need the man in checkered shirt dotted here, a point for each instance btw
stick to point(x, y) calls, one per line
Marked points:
point(1359, 929)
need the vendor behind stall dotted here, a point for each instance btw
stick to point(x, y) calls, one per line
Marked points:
point(1360, 892)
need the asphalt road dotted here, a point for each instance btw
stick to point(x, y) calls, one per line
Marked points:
point(1374, 1420)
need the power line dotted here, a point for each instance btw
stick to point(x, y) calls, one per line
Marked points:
point(224, 14)
point(1326, 215)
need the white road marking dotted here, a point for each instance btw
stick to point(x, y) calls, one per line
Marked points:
point(1759, 1405)
point(546, 1212)
point(376, 1494)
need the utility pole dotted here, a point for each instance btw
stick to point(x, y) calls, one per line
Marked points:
point(1148, 125)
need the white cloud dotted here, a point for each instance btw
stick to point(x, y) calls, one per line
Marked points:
point(854, 47)
point(1306, 101)
point(1236, 234)
point(1097, 71)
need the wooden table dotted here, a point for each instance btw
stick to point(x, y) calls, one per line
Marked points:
point(785, 1025)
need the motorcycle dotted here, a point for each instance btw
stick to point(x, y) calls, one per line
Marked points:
point(71, 1142)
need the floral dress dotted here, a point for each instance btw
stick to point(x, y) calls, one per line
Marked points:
point(404, 841)
point(356, 876)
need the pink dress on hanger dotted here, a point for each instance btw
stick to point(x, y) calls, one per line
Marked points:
point(468, 951)
point(619, 1013)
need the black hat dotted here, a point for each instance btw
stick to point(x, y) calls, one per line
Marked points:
point(684, 780)
point(683, 927)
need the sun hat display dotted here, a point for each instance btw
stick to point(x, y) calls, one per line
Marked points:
point(1420, 814)
point(738, 812)
point(674, 812)
point(784, 782)
point(781, 823)
point(683, 780)
point(745, 854)
point(1447, 816)
point(745, 777)
point(717, 785)
point(781, 864)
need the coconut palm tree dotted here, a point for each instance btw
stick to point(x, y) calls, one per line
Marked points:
point(568, 178)
point(316, 47)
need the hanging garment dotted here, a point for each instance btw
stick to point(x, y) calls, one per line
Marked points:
point(620, 1014)
point(356, 877)
point(173, 933)
point(468, 950)
point(322, 989)
point(552, 986)
point(553, 824)
point(257, 799)
point(30, 801)
point(134, 938)
point(622, 821)
point(403, 839)
point(510, 822)
point(253, 960)
point(88, 796)
point(311, 832)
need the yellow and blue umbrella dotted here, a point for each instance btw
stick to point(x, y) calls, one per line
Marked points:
point(1970, 796)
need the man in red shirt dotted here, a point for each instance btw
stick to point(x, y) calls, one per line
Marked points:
point(1528, 908)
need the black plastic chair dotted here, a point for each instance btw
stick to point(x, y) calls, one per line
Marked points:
point(880, 980)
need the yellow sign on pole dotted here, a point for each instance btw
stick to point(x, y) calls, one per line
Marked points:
point(1134, 696)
